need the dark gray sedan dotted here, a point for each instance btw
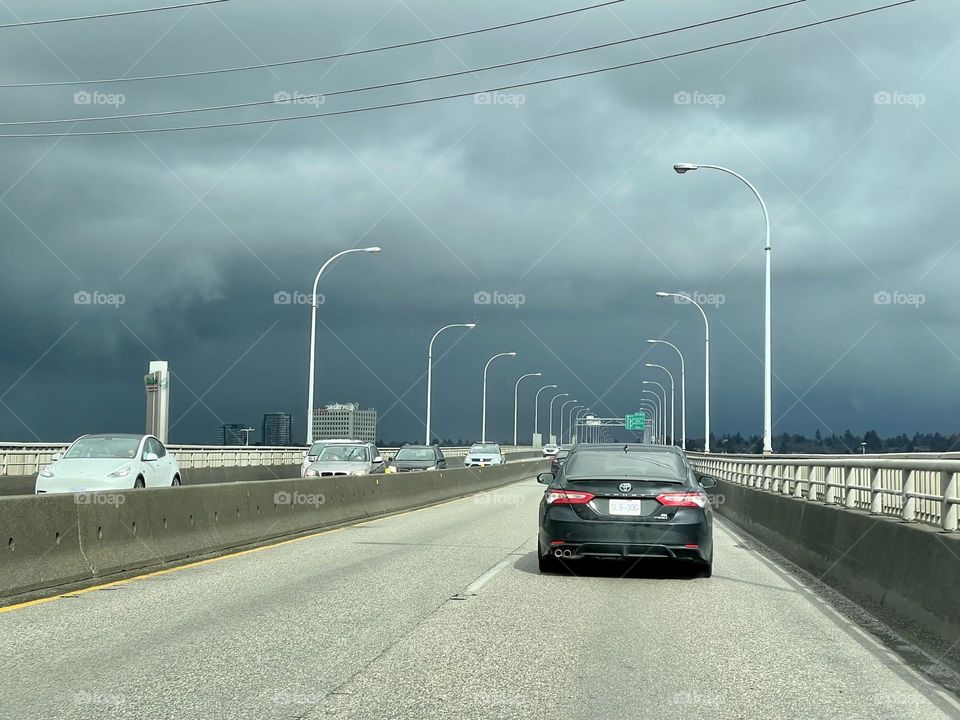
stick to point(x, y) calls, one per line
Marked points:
point(625, 502)
point(418, 457)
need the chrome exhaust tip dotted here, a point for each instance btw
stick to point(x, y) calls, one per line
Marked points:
point(567, 553)
point(558, 553)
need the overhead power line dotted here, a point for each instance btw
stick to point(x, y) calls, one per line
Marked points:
point(501, 88)
point(316, 96)
point(317, 58)
point(28, 23)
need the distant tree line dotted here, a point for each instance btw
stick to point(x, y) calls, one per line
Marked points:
point(833, 444)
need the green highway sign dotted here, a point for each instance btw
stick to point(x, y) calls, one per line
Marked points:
point(635, 421)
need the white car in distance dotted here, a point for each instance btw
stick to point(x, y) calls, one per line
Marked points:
point(116, 461)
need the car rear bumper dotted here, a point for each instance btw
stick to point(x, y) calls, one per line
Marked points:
point(683, 540)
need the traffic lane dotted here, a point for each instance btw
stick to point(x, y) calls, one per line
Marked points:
point(252, 636)
point(750, 642)
point(442, 613)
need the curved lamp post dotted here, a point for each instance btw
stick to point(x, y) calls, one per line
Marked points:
point(560, 395)
point(516, 392)
point(683, 392)
point(536, 409)
point(706, 354)
point(673, 407)
point(469, 326)
point(313, 334)
point(483, 428)
point(682, 168)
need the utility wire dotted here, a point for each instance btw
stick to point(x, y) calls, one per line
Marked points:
point(287, 99)
point(335, 56)
point(439, 98)
point(28, 23)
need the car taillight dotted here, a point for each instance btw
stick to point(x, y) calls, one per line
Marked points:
point(567, 497)
point(686, 499)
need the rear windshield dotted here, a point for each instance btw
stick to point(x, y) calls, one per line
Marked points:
point(586, 465)
point(415, 454)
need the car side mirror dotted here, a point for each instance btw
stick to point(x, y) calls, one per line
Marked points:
point(56, 456)
point(545, 478)
point(708, 481)
point(377, 460)
point(150, 457)
point(304, 454)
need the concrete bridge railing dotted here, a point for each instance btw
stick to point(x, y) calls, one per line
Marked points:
point(913, 489)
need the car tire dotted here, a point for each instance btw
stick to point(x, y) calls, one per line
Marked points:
point(139, 484)
point(176, 481)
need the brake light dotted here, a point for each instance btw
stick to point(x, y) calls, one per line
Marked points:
point(686, 499)
point(567, 497)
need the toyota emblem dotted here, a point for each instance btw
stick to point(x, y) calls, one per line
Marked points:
point(625, 487)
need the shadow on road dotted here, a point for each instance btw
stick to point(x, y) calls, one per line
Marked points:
point(644, 569)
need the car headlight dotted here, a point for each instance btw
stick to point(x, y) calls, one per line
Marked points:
point(361, 471)
point(122, 472)
point(311, 473)
point(46, 472)
point(432, 467)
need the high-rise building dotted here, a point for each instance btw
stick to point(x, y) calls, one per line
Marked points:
point(277, 429)
point(346, 421)
point(233, 434)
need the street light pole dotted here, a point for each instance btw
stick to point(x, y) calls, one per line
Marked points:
point(313, 334)
point(536, 409)
point(570, 423)
point(516, 393)
point(583, 411)
point(469, 326)
point(673, 407)
point(666, 418)
point(560, 395)
point(660, 410)
point(560, 434)
point(683, 392)
point(483, 429)
point(649, 407)
point(706, 376)
point(681, 168)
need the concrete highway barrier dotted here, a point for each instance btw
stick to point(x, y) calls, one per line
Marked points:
point(50, 543)
point(905, 574)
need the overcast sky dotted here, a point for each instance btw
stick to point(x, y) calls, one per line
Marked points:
point(561, 194)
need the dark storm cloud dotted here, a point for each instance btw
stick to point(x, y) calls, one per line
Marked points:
point(565, 197)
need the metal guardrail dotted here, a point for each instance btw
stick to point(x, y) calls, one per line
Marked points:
point(30, 458)
point(915, 489)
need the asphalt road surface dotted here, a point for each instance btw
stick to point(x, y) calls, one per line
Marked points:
point(441, 613)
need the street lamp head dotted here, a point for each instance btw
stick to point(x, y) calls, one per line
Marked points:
point(662, 294)
point(681, 168)
point(371, 250)
point(511, 354)
point(649, 365)
point(470, 325)
point(647, 382)
point(536, 374)
point(652, 342)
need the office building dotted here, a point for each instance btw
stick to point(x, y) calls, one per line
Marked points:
point(345, 420)
point(234, 434)
point(277, 429)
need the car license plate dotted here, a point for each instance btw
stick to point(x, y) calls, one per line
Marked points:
point(626, 507)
